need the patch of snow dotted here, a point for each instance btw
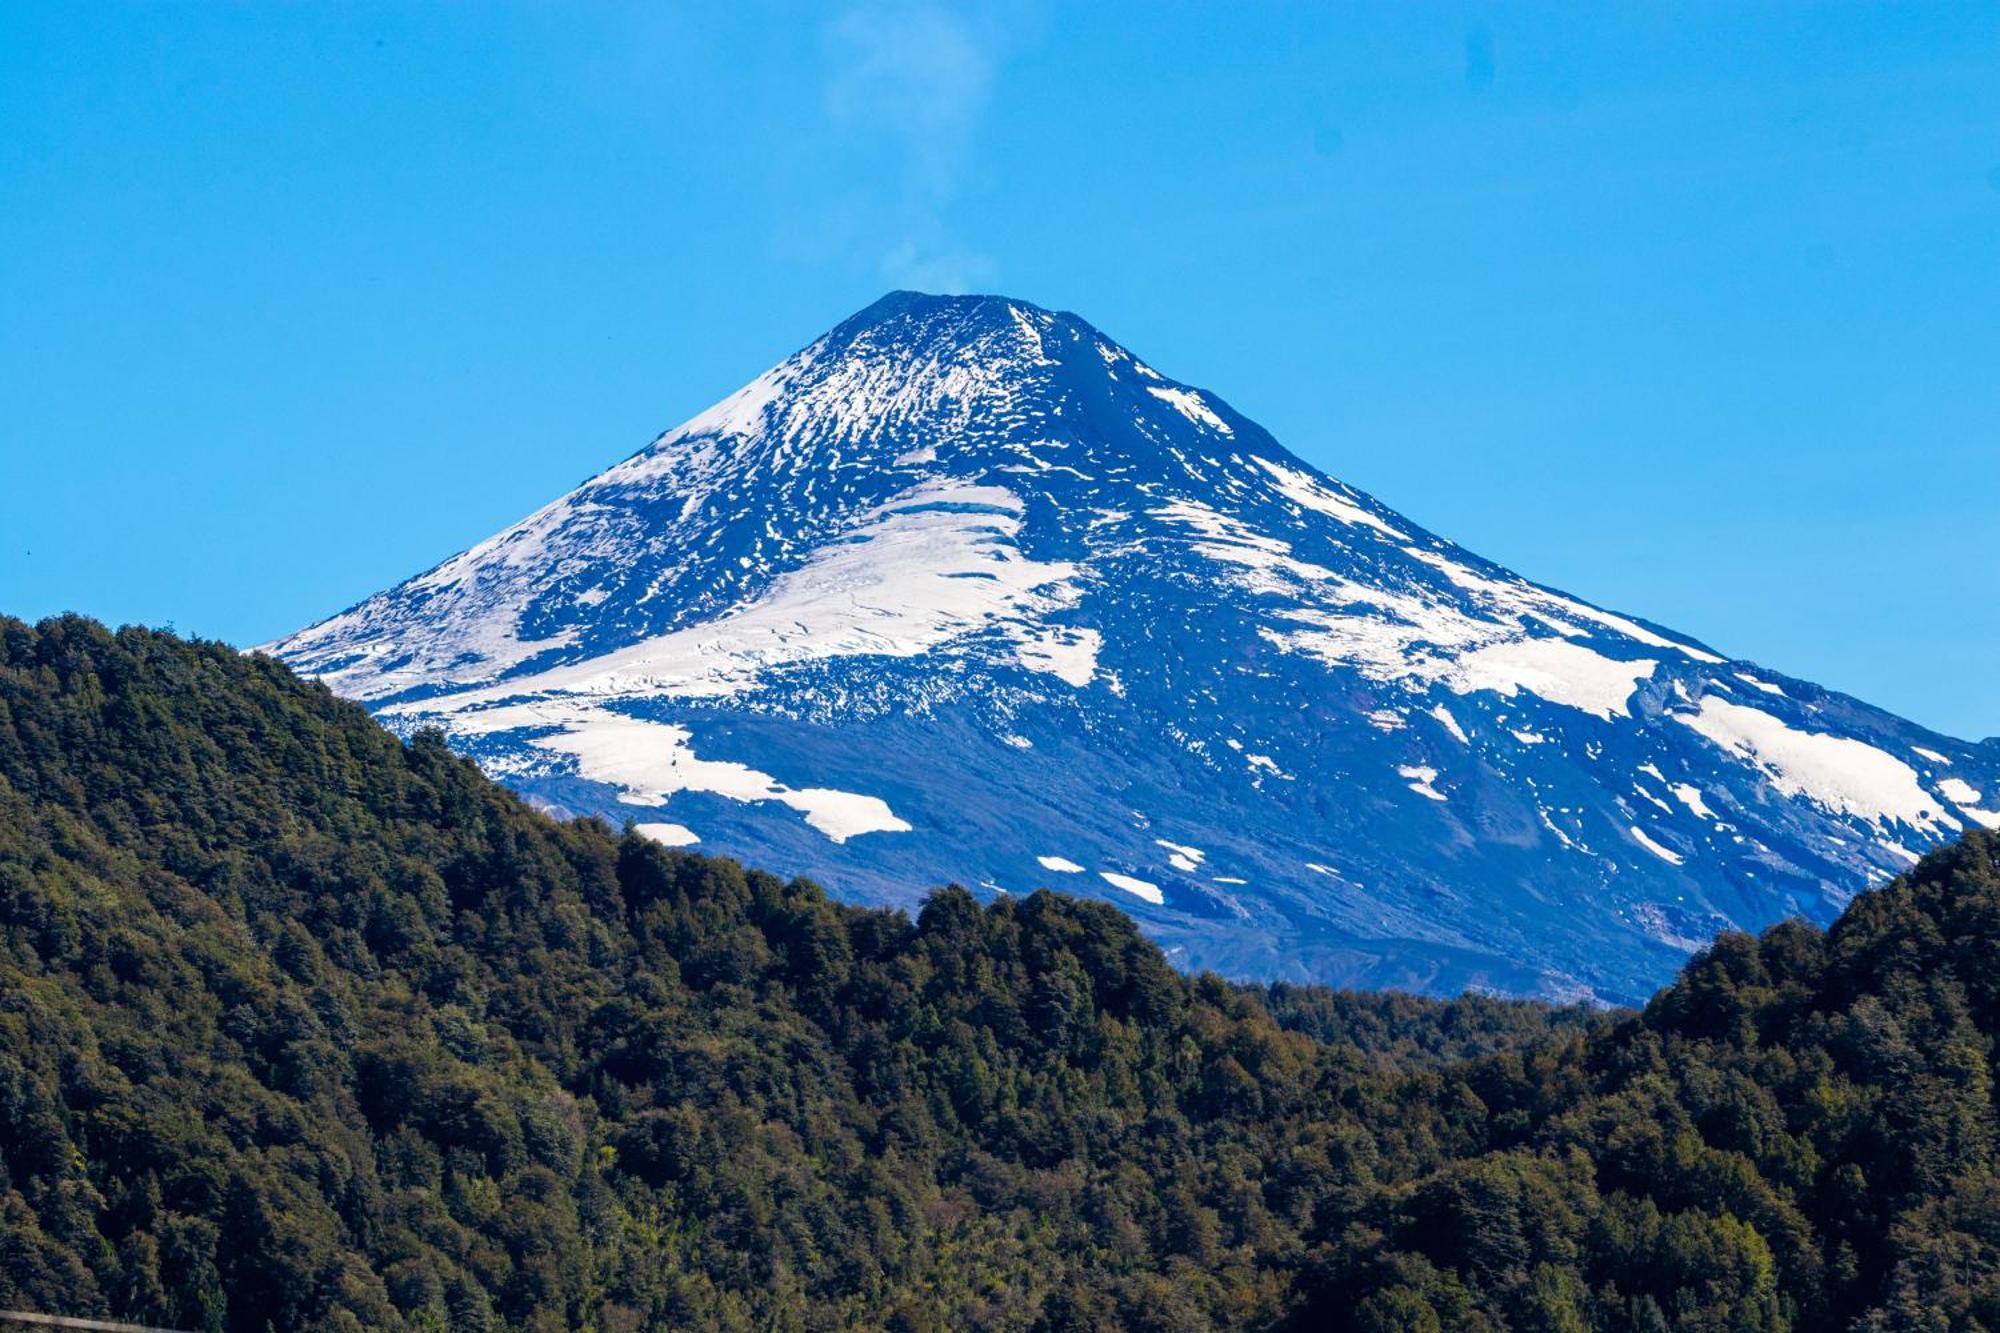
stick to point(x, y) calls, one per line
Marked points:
point(934, 564)
point(1421, 777)
point(1183, 857)
point(1556, 669)
point(1837, 773)
point(1062, 865)
point(1958, 791)
point(1931, 755)
point(1306, 491)
point(1518, 599)
point(1069, 653)
point(1229, 541)
point(1632, 629)
point(1652, 798)
point(651, 761)
point(1150, 892)
point(384, 646)
point(740, 414)
point(1409, 638)
point(1672, 858)
point(1690, 796)
point(1190, 404)
point(1763, 685)
point(673, 835)
point(1450, 723)
point(1024, 323)
point(1966, 798)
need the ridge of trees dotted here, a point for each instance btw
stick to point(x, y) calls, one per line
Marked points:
point(302, 1027)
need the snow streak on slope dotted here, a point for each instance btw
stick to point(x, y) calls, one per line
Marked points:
point(1837, 772)
point(965, 590)
point(935, 564)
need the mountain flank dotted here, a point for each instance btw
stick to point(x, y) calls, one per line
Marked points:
point(965, 589)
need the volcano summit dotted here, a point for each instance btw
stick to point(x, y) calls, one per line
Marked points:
point(965, 590)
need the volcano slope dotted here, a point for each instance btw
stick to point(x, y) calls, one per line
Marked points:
point(966, 590)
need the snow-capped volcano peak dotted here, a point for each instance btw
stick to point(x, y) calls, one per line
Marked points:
point(964, 589)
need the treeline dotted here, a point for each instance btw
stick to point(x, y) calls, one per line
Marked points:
point(301, 1027)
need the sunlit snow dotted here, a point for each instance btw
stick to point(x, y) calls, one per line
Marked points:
point(648, 762)
point(1670, 857)
point(1967, 798)
point(1150, 892)
point(1190, 405)
point(1837, 772)
point(1690, 796)
point(673, 835)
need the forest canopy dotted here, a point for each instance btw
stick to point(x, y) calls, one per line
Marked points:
point(302, 1027)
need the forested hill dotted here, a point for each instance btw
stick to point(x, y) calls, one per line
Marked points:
point(301, 1027)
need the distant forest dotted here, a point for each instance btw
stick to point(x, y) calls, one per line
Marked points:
point(302, 1027)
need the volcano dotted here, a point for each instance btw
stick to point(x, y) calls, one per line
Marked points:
point(965, 591)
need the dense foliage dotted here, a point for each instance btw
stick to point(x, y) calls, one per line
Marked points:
point(302, 1027)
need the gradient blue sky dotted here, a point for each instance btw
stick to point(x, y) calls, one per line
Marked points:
point(1691, 310)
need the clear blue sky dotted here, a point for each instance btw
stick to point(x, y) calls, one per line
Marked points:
point(1692, 310)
